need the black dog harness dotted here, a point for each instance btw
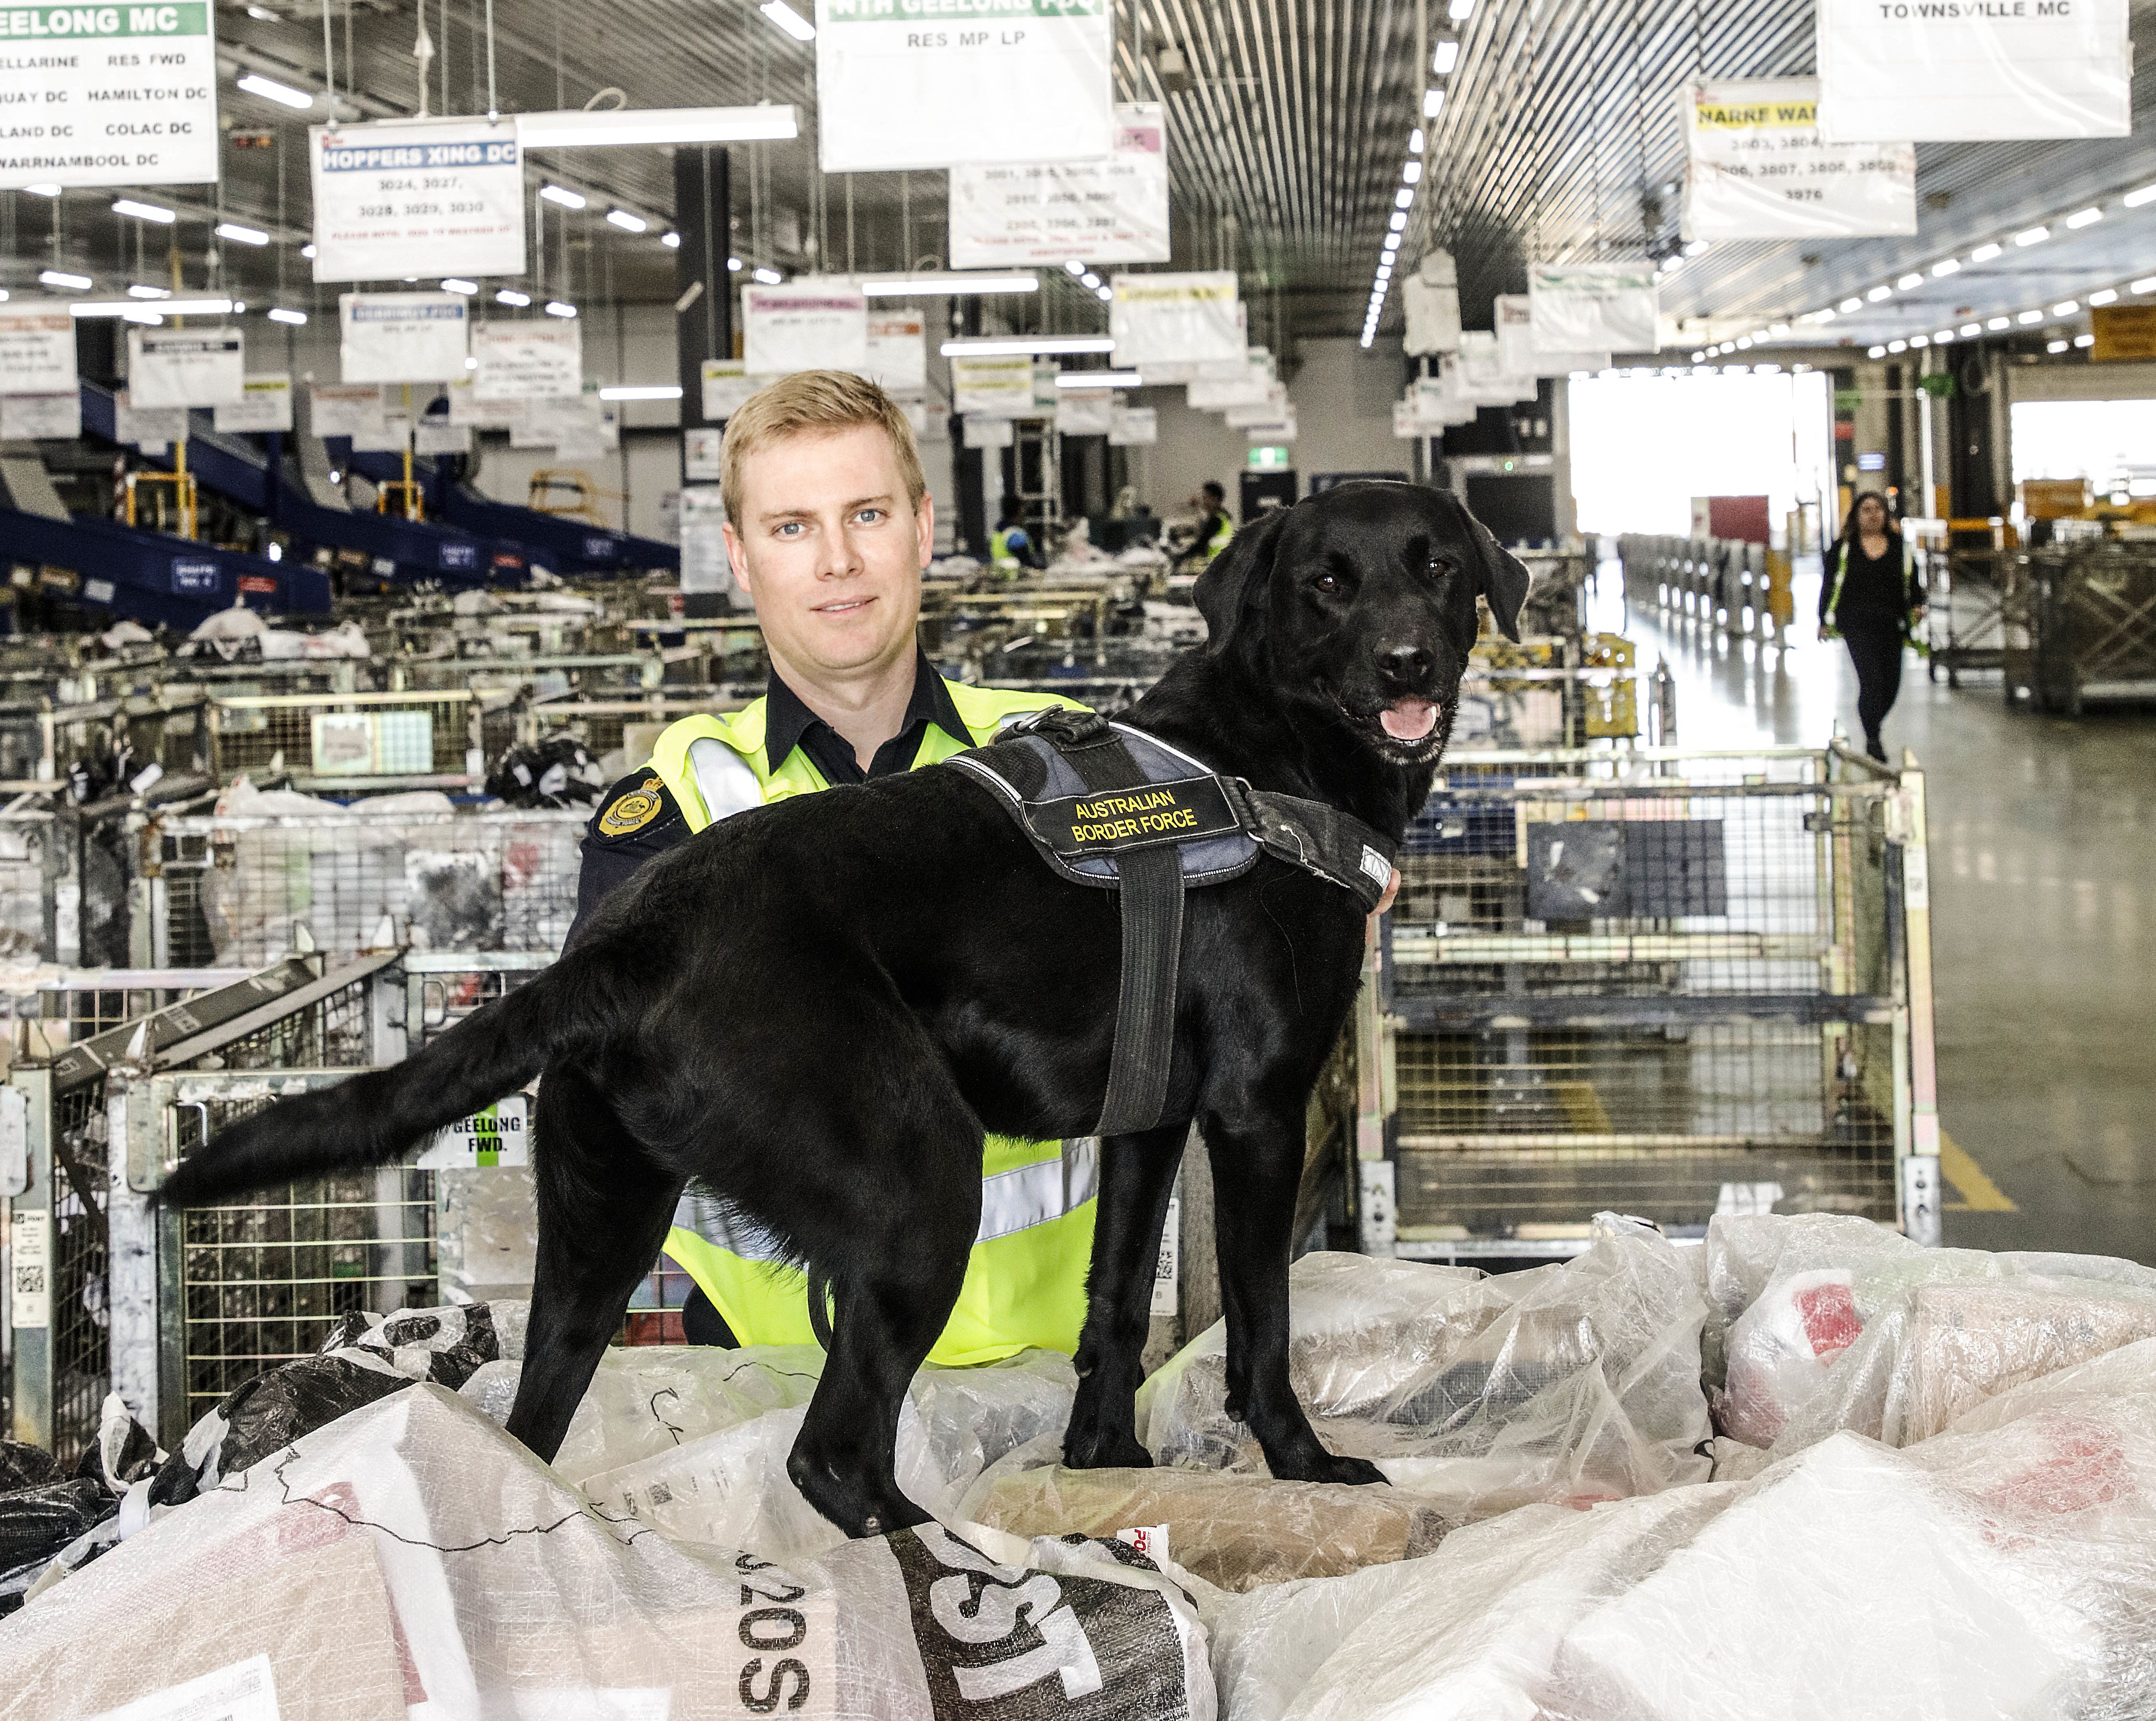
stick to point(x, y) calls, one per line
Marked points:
point(1113, 807)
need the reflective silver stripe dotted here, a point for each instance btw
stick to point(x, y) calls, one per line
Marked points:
point(1033, 1195)
point(723, 779)
point(1011, 1201)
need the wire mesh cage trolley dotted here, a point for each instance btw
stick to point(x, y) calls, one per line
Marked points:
point(1669, 982)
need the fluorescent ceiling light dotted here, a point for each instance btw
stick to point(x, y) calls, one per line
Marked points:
point(262, 14)
point(1414, 142)
point(1951, 266)
point(167, 307)
point(1392, 242)
point(138, 290)
point(1850, 304)
point(1826, 316)
point(1875, 352)
point(1779, 330)
point(509, 295)
point(1403, 198)
point(1019, 346)
point(61, 278)
point(626, 221)
point(2032, 235)
point(1985, 254)
point(254, 84)
point(2147, 284)
point(1897, 346)
point(1088, 280)
point(453, 286)
point(1909, 281)
point(1412, 172)
point(2104, 295)
point(242, 235)
point(563, 195)
point(1999, 322)
point(1943, 337)
point(277, 314)
point(1743, 343)
point(672, 241)
point(642, 391)
point(1445, 55)
point(2084, 340)
point(560, 307)
point(2085, 218)
point(1398, 222)
point(1695, 248)
point(1105, 294)
point(1879, 292)
point(895, 286)
point(2132, 199)
point(789, 20)
point(2055, 347)
point(1670, 265)
point(1969, 329)
point(1074, 267)
point(307, 250)
point(142, 314)
point(1461, 11)
point(2027, 317)
point(576, 129)
point(1099, 379)
point(734, 265)
point(766, 277)
point(2066, 307)
point(144, 211)
point(42, 190)
point(1433, 103)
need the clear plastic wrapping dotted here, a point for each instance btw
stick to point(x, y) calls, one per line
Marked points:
point(1573, 1382)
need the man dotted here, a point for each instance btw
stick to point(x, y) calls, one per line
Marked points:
point(1214, 528)
point(1010, 545)
point(829, 525)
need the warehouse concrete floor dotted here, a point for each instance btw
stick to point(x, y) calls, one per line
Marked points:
point(2043, 920)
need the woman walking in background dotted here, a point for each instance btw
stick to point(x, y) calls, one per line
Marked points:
point(1872, 597)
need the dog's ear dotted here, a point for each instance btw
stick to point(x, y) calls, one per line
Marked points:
point(1504, 577)
point(1232, 587)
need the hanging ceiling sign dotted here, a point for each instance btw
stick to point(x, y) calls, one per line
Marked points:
point(996, 388)
point(149, 427)
point(898, 352)
point(56, 417)
point(985, 431)
point(1087, 414)
point(1252, 386)
point(527, 361)
point(345, 409)
point(180, 367)
point(804, 325)
point(403, 338)
point(1113, 210)
point(1176, 317)
point(1972, 70)
point(266, 403)
point(37, 346)
point(108, 95)
point(1484, 377)
point(1759, 169)
point(1521, 355)
point(949, 83)
point(430, 198)
point(727, 386)
point(1134, 427)
point(1585, 307)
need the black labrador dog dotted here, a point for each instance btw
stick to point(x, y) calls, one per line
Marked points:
point(814, 1009)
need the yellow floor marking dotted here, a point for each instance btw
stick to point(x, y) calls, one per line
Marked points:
point(1978, 1194)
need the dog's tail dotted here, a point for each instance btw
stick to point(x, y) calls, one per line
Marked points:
point(375, 1118)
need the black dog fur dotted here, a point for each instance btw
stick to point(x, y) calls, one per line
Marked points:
point(814, 1009)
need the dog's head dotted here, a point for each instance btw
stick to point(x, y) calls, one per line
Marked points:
point(1361, 602)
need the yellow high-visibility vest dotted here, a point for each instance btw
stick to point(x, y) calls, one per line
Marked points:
point(1025, 1282)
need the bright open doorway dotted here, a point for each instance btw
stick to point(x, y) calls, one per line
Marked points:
point(1643, 446)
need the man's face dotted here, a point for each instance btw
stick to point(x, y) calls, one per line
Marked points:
point(830, 550)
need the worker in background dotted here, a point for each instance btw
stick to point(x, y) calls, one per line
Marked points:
point(1215, 526)
point(829, 525)
point(1011, 549)
point(1872, 597)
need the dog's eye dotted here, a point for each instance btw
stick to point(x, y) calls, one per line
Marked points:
point(1327, 583)
point(1443, 565)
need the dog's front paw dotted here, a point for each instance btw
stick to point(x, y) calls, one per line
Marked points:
point(1120, 1450)
point(1329, 1466)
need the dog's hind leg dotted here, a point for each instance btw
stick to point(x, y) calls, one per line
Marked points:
point(1257, 1167)
point(910, 1222)
point(1137, 1175)
point(603, 1211)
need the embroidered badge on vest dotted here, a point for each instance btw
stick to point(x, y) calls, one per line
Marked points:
point(633, 811)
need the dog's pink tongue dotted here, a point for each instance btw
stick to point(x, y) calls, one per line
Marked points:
point(1408, 719)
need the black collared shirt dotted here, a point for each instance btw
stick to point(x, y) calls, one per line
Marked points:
point(787, 723)
point(637, 818)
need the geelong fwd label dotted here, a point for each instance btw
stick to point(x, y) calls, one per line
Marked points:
point(108, 94)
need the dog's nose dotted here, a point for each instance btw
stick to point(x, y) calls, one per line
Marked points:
point(1404, 665)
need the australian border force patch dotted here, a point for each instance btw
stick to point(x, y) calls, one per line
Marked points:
point(1110, 821)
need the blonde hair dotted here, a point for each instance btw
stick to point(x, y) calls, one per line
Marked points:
point(813, 401)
